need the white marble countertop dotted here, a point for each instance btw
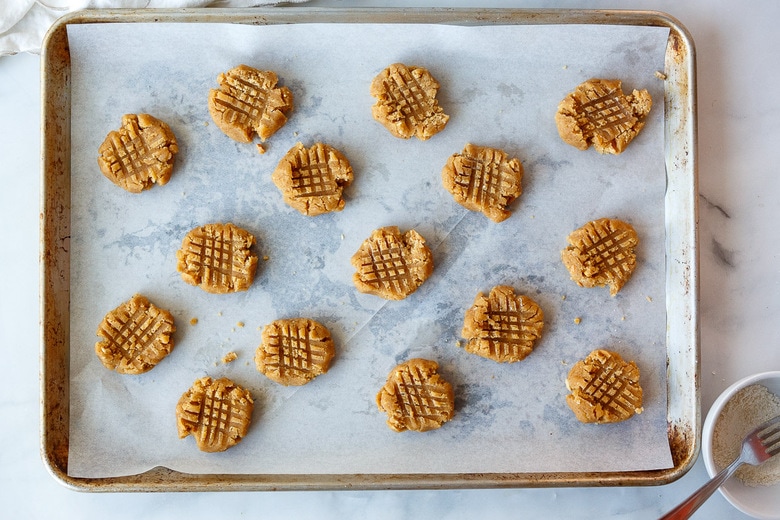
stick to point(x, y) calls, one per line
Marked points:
point(738, 70)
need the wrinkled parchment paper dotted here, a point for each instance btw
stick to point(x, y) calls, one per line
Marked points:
point(501, 86)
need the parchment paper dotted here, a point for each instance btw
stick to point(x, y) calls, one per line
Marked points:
point(501, 86)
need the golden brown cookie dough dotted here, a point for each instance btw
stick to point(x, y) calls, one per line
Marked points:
point(604, 388)
point(294, 351)
point(248, 102)
point(415, 397)
point(217, 258)
point(598, 113)
point(136, 336)
point(139, 154)
point(392, 265)
point(312, 180)
point(406, 102)
point(216, 412)
point(601, 253)
point(484, 179)
point(502, 326)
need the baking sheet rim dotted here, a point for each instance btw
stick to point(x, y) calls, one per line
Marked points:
point(683, 409)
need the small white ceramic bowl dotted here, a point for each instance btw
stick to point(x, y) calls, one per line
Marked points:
point(759, 502)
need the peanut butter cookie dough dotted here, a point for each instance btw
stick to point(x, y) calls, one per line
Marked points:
point(502, 326)
point(484, 179)
point(216, 412)
point(217, 258)
point(392, 265)
point(312, 179)
point(406, 102)
point(415, 397)
point(598, 113)
point(139, 154)
point(601, 253)
point(136, 336)
point(604, 388)
point(294, 351)
point(248, 102)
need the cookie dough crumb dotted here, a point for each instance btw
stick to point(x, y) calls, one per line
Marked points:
point(265, 258)
point(229, 357)
point(660, 75)
point(240, 324)
point(193, 321)
point(260, 148)
point(650, 299)
point(577, 320)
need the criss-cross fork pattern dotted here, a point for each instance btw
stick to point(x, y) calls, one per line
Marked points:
point(243, 101)
point(214, 416)
point(312, 175)
point(511, 327)
point(296, 352)
point(132, 158)
point(215, 254)
point(608, 250)
point(386, 266)
point(419, 400)
point(607, 388)
point(606, 112)
point(133, 336)
point(406, 93)
point(483, 179)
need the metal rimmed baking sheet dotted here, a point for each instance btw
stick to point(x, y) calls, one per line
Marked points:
point(682, 347)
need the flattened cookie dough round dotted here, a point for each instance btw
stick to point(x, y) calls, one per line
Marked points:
point(312, 179)
point(601, 253)
point(294, 351)
point(136, 336)
point(604, 388)
point(502, 326)
point(248, 102)
point(216, 412)
point(415, 397)
point(392, 265)
point(139, 154)
point(406, 102)
point(598, 113)
point(484, 179)
point(217, 258)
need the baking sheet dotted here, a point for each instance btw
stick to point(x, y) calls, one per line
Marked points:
point(497, 94)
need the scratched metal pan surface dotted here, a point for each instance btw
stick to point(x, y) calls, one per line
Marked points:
point(682, 341)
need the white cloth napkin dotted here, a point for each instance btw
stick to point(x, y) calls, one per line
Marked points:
point(23, 23)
